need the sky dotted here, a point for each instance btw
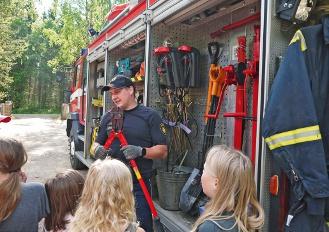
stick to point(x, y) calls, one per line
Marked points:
point(42, 5)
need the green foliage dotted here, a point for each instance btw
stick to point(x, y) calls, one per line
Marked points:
point(97, 11)
point(35, 110)
point(118, 1)
point(67, 34)
point(33, 49)
point(12, 39)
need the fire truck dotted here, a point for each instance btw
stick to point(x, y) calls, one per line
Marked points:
point(169, 48)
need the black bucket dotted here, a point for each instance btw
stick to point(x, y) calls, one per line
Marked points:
point(170, 185)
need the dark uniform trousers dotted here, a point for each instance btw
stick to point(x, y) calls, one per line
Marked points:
point(143, 212)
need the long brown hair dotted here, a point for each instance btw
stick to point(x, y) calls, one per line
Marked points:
point(236, 190)
point(107, 202)
point(63, 193)
point(12, 158)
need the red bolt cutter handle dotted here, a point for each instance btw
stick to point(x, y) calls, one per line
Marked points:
point(134, 166)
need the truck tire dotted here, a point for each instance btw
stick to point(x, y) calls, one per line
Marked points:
point(74, 145)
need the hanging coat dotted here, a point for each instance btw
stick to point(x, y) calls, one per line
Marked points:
point(296, 123)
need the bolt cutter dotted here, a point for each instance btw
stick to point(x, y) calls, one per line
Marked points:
point(116, 133)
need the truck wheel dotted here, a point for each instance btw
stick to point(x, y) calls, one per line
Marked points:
point(76, 164)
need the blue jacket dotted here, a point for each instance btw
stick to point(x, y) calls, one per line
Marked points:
point(295, 126)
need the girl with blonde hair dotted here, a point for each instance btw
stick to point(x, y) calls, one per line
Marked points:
point(227, 180)
point(63, 191)
point(107, 202)
point(22, 205)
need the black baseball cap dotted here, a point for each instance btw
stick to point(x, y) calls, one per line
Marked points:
point(118, 82)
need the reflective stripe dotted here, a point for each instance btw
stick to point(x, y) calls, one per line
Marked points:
point(300, 135)
point(299, 37)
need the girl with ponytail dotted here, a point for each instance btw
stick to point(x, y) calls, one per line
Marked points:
point(22, 205)
point(228, 181)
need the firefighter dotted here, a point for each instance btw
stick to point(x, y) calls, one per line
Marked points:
point(296, 126)
point(145, 134)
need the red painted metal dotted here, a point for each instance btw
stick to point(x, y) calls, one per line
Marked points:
point(238, 123)
point(161, 50)
point(274, 185)
point(78, 103)
point(116, 10)
point(152, 2)
point(132, 14)
point(240, 97)
point(98, 41)
point(236, 24)
point(185, 48)
point(83, 109)
point(240, 108)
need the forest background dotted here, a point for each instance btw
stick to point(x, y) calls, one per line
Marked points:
point(37, 51)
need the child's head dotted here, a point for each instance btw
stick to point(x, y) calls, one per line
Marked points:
point(227, 173)
point(12, 158)
point(107, 200)
point(228, 181)
point(63, 193)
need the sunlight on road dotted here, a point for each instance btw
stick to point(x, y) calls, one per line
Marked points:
point(46, 144)
point(24, 127)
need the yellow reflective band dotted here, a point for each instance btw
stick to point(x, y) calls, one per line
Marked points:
point(293, 132)
point(299, 37)
point(295, 141)
point(138, 175)
point(300, 135)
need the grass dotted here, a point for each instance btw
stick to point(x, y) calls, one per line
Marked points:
point(35, 110)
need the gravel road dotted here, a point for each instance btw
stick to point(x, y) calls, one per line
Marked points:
point(45, 141)
point(44, 138)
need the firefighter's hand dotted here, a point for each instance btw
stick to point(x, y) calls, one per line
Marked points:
point(101, 152)
point(133, 152)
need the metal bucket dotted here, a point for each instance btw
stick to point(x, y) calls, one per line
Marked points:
point(170, 185)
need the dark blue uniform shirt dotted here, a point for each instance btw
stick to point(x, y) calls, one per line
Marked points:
point(142, 126)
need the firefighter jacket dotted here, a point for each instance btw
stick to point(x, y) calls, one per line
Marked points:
point(294, 127)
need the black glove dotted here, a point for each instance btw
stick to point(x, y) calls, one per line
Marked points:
point(101, 152)
point(133, 152)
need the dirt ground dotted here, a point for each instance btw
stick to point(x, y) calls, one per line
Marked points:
point(45, 141)
point(44, 138)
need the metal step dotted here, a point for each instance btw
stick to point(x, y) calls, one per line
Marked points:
point(85, 161)
point(174, 221)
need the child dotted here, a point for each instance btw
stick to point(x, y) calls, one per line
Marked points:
point(107, 202)
point(227, 180)
point(23, 205)
point(63, 193)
